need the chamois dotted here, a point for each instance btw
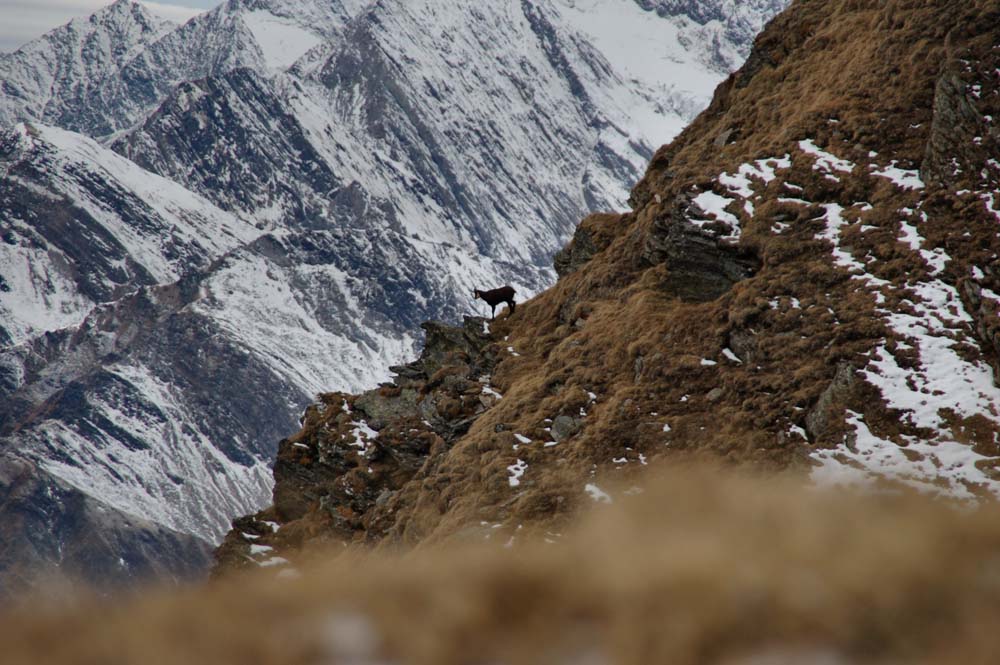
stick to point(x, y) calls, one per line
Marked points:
point(495, 297)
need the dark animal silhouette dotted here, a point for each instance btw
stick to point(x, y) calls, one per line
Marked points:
point(495, 297)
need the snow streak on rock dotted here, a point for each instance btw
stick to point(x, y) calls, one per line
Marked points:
point(84, 224)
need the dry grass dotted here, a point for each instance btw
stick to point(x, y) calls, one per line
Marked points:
point(610, 328)
point(704, 567)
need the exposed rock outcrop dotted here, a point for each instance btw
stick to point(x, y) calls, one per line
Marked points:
point(337, 478)
point(593, 235)
point(699, 266)
point(961, 140)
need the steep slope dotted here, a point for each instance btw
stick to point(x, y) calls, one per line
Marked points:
point(100, 261)
point(806, 282)
point(294, 187)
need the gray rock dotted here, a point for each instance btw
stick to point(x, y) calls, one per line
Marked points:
point(724, 137)
point(380, 409)
point(829, 407)
point(578, 252)
point(563, 427)
point(700, 266)
point(951, 151)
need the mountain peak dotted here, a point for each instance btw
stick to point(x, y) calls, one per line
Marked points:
point(123, 13)
point(45, 76)
point(121, 6)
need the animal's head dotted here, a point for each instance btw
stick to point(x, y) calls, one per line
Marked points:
point(476, 293)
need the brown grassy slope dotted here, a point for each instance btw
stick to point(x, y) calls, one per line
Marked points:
point(651, 298)
point(616, 328)
point(702, 568)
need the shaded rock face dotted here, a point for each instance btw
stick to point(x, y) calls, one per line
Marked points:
point(699, 265)
point(204, 127)
point(825, 420)
point(985, 310)
point(579, 250)
point(961, 140)
point(593, 235)
point(47, 520)
point(340, 476)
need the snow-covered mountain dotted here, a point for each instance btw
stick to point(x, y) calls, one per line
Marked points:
point(104, 73)
point(266, 202)
point(54, 78)
point(717, 31)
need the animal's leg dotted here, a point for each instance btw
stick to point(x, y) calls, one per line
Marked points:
point(493, 312)
point(513, 306)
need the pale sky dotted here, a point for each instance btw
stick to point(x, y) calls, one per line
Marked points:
point(24, 20)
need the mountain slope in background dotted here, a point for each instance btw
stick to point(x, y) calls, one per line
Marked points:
point(53, 77)
point(264, 203)
point(105, 73)
point(807, 282)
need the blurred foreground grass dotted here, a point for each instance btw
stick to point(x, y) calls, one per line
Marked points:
point(701, 567)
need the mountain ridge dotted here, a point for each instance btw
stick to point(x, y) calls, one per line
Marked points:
point(56, 66)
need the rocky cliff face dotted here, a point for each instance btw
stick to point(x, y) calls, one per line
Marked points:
point(807, 282)
point(264, 203)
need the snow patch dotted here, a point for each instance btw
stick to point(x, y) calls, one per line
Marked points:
point(714, 205)
point(826, 162)
point(516, 470)
point(903, 178)
point(944, 467)
point(282, 40)
point(597, 494)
